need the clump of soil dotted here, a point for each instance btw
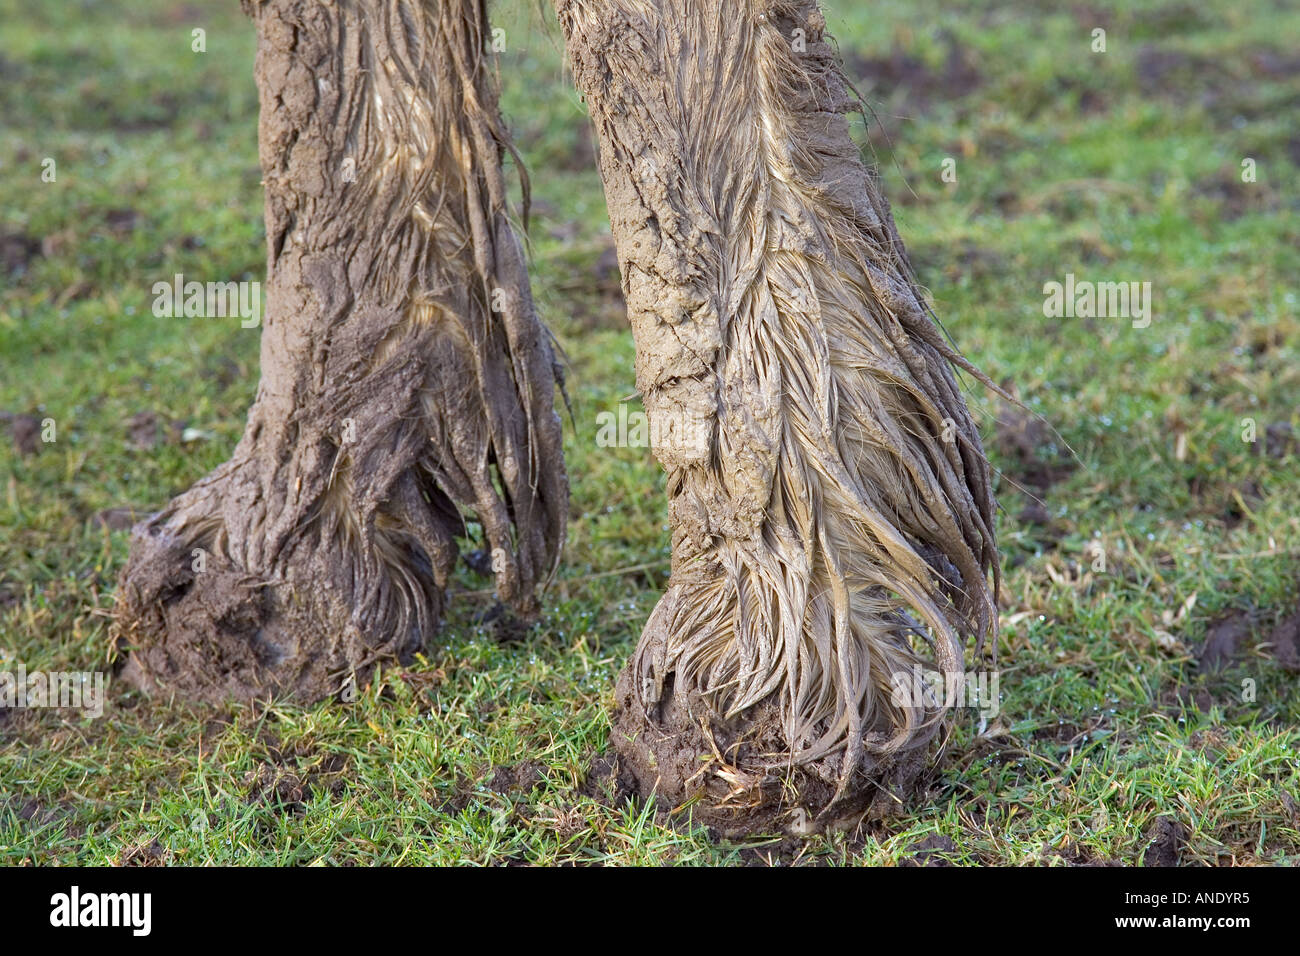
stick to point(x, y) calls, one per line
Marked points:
point(1225, 639)
point(462, 795)
point(1230, 503)
point(1194, 698)
point(121, 222)
point(1166, 839)
point(503, 626)
point(783, 852)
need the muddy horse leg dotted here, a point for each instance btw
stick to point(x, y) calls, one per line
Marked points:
point(830, 503)
point(406, 378)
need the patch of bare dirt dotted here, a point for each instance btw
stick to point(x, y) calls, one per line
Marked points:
point(595, 290)
point(462, 796)
point(1166, 20)
point(934, 850)
point(1226, 503)
point(1027, 441)
point(903, 76)
point(1291, 805)
point(142, 431)
point(608, 781)
point(117, 519)
point(1174, 74)
point(25, 431)
point(522, 777)
point(967, 262)
point(152, 853)
point(1293, 150)
point(783, 852)
point(17, 250)
point(1064, 733)
point(1030, 460)
point(121, 222)
point(1228, 640)
point(1190, 698)
point(281, 790)
point(1230, 88)
point(1284, 644)
point(1212, 739)
point(1092, 102)
point(286, 778)
point(1244, 495)
point(1274, 64)
point(222, 370)
point(179, 14)
point(902, 86)
point(1223, 641)
point(503, 625)
point(58, 243)
point(1236, 198)
point(36, 814)
point(1280, 440)
point(146, 429)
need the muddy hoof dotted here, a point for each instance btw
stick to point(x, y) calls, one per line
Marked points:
point(206, 630)
point(728, 775)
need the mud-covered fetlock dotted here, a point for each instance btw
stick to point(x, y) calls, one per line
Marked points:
point(406, 379)
point(736, 776)
point(740, 774)
point(830, 502)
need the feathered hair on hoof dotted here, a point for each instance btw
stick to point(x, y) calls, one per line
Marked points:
point(830, 501)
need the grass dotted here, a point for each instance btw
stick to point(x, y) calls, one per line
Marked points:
point(1123, 165)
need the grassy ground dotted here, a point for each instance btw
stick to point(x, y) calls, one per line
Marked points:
point(1123, 165)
